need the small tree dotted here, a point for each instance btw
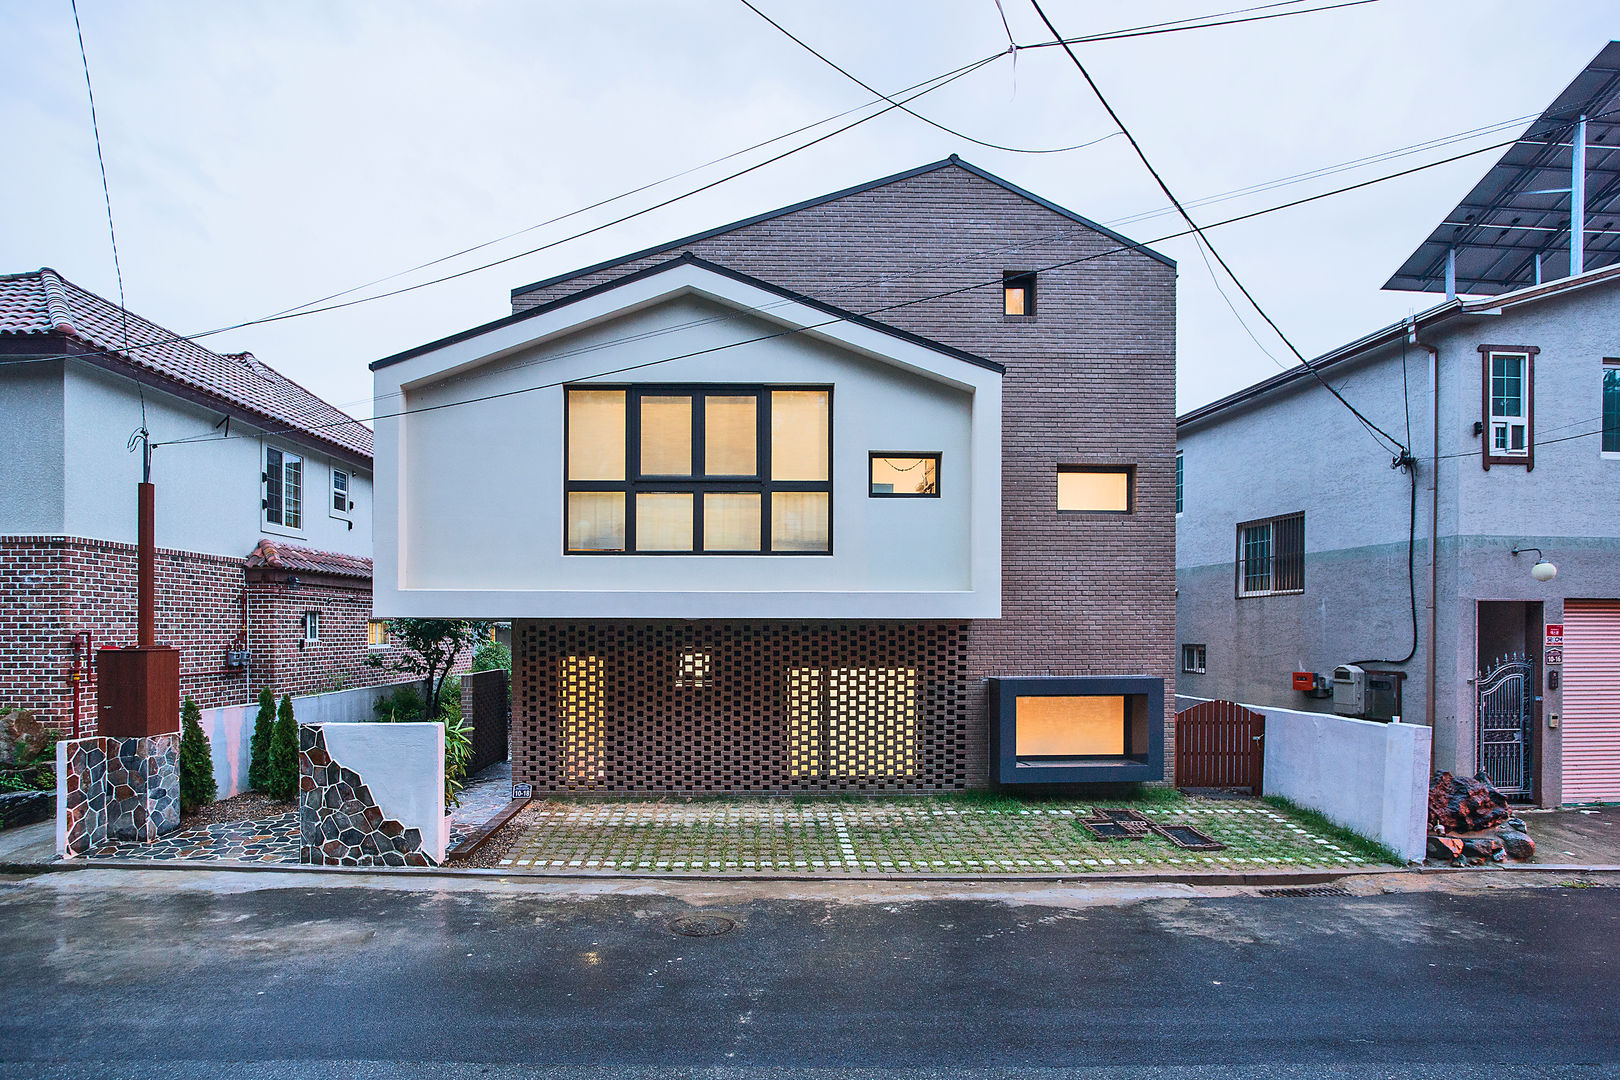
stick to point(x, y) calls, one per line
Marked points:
point(428, 648)
point(197, 786)
point(259, 748)
point(283, 770)
point(491, 655)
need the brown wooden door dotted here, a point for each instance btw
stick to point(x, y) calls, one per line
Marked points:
point(1220, 744)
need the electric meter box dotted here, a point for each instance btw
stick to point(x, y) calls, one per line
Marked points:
point(1349, 690)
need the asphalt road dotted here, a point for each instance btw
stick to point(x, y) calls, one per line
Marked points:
point(111, 975)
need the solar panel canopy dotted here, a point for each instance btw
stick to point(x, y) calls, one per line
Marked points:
point(1521, 209)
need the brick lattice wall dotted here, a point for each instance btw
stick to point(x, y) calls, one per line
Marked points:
point(700, 707)
point(1090, 381)
point(52, 587)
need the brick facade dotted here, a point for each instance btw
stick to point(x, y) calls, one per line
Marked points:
point(1090, 381)
point(53, 587)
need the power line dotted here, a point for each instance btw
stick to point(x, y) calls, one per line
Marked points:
point(1371, 427)
point(106, 194)
point(1170, 28)
point(863, 84)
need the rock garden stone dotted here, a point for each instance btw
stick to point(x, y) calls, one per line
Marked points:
point(1458, 804)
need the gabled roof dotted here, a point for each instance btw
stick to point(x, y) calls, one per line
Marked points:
point(1521, 208)
point(1392, 333)
point(275, 555)
point(949, 162)
point(688, 259)
point(42, 303)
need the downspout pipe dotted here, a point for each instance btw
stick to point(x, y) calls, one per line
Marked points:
point(1430, 645)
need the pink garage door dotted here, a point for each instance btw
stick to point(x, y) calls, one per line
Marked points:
point(1591, 700)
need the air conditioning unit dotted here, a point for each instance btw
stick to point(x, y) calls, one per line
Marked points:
point(1349, 690)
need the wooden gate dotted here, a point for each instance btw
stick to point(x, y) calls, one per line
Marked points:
point(1220, 744)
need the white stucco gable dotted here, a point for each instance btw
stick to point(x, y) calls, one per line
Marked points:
point(470, 450)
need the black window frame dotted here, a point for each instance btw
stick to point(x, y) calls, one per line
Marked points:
point(1181, 475)
point(1282, 565)
point(1019, 279)
point(698, 484)
point(1194, 658)
point(931, 455)
point(1130, 489)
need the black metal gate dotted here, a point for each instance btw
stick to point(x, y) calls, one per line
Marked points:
point(1505, 695)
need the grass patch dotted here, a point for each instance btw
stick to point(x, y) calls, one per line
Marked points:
point(1150, 795)
point(983, 799)
point(1348, 839)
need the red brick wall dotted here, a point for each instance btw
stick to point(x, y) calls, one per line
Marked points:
point(1090, 380)
point(54, 587)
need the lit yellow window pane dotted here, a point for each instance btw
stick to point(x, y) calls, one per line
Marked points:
point(595, 521)
point(1070, 726)
point(799, 521)
point(664, 521)
point(904, 476)
point(596, 434)
point(730, 436)
point(799, 434)
point(376, 632)
point(1016, 299)
point(731, 521)
point(1107, 490)
point(666, 436)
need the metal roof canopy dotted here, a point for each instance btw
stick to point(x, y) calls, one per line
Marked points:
point(1521, 209)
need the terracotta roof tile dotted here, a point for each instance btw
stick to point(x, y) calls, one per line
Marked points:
point(43, 302)
point(276, 555)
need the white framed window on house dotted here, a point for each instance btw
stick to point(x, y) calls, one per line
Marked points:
point(1193, 659)
point(342, 503)
point(1271, 556)
point(377, 634)
point(717, 469)
point(283, 482)
point(1611, 407)
point(312, 626)
point(1178, 482)
point(1508, 405)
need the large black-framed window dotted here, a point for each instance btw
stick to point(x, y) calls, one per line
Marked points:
point(697, 469)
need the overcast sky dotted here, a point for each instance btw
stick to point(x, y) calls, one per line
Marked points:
point(262, 155)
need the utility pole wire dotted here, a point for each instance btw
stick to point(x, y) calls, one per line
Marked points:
point(1199, 233)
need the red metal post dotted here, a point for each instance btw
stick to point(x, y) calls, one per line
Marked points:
point(145, 569)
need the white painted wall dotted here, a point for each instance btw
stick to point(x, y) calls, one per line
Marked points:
point(31, 441)
point(403, 766)
point(470, 504)
point(77, 477)
point(230, 727)
point(1366, 776)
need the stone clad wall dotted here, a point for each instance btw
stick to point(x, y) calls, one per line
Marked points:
point(107, 788)
point(340, 822)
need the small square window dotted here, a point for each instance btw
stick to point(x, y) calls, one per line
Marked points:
point(1018, 292)
point(340, 494)
point(903, 476)
point(377, 634)
point(312, 626)
point(1106, 489)
point(692, 672)
point(1193, 659)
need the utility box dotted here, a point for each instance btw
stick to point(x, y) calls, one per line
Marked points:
point(1349, 690)
point(1383, 695)
point(138, 691)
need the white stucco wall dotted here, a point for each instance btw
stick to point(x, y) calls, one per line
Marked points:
point(403, 766)
point(31, 440)
point(208, 493)
point(1369, 777)
point(471, 524)
point(230, 728)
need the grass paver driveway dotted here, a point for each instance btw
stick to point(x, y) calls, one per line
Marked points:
point(909, 836)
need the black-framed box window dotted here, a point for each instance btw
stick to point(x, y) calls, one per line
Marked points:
point(1018, 293)
point(903, 475)
point(1096, 489)
point(698, 469)
point(1080, 729)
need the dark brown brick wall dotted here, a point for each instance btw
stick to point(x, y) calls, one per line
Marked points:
point(1090, 380)
point(52, 587)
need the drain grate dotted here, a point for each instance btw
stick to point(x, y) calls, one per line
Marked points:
point(702, 925)
point(1307, 890)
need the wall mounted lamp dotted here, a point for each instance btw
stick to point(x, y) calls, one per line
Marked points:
point(1542, 570)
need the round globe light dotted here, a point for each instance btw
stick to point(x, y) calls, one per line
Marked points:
point(1543, 571)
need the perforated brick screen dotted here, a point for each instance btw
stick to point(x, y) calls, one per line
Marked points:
point(740, 707)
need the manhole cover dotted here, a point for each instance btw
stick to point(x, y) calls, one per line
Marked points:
point(702, 925)
point(1307, 890)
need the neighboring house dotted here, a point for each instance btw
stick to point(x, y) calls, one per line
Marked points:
point(750, 540)
point(1301, 549)
point(263, 510)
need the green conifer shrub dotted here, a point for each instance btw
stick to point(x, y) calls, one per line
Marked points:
point(259, 749)
point(283, 765)
point(197, 786)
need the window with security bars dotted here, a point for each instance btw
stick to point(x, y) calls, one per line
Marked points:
point(1271, 556)
point(1193, 659)
point(718, 469)
point(1611, 407)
